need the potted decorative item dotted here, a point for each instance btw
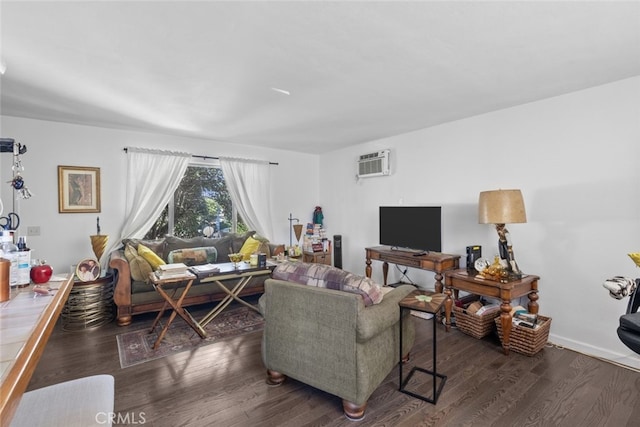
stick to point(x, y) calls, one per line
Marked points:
point(40, 272)
point(98, 241)
point(235, 259)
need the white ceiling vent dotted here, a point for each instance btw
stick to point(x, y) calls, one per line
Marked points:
point(374, 164)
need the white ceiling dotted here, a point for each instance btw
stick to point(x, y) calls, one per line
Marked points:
point(356, 71)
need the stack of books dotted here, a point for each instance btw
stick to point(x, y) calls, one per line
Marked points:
point(528, 320)
point(171, 271)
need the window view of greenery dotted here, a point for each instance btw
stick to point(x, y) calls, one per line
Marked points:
point(201, 201)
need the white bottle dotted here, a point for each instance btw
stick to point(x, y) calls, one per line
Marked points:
point(23, 258)
point(9, 251)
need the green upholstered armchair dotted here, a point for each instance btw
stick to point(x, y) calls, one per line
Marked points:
point(328, 339)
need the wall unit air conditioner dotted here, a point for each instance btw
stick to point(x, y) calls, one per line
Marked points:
point(374, 164)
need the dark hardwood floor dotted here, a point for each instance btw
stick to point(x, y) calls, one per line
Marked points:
point(223, 384)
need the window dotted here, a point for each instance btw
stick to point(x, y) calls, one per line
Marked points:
point(200, 205)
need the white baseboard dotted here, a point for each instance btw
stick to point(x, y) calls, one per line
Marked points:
point(631, 360)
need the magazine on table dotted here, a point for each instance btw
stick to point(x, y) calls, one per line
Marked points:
point(205, 270)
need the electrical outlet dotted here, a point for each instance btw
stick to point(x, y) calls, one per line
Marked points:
point(33, 230)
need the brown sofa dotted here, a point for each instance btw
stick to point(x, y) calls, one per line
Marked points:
point(133, 296)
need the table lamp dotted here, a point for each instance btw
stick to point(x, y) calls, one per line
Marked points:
point(502, 207)
point(98, 241)
point(297, 229)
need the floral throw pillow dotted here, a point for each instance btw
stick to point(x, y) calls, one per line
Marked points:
point(194, 256)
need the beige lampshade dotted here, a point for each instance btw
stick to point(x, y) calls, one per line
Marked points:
point(501, 207)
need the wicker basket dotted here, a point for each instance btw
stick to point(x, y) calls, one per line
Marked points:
point(478, 326)
point(525, 340)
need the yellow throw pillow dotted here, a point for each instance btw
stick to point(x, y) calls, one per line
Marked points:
point(154, 260)
point(139, 266)
point(248, 247)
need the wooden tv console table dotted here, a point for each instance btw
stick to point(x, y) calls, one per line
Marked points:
point(431, 261)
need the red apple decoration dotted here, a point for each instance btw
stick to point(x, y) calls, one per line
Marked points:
point(41, 273)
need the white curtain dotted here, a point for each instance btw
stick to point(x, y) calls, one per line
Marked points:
point(152, 178)
point(249, 183)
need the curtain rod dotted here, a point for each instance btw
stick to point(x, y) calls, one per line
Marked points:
point(198, 156)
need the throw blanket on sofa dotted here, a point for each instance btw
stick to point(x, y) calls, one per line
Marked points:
point(326, 276)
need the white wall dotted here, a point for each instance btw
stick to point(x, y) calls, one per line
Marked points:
point(64, 238)
point(575, 158)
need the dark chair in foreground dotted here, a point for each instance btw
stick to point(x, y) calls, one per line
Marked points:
point(629, 329)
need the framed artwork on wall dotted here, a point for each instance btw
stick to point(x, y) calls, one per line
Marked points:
point(78, 189)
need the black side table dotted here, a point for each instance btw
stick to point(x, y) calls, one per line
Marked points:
point(426, 302)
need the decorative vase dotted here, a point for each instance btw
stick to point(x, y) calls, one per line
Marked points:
point(5, 289)
point(235, 259)
point(41, 273)
point(99, 243)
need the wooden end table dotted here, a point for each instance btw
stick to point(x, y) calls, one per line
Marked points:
point(323, 257)
point(460, 280)
point(416, 301)
point(170, 300)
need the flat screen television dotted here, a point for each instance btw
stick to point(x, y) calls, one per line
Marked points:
point(417, 228)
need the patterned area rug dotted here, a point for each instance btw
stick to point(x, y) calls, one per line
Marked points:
point(136, 347)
